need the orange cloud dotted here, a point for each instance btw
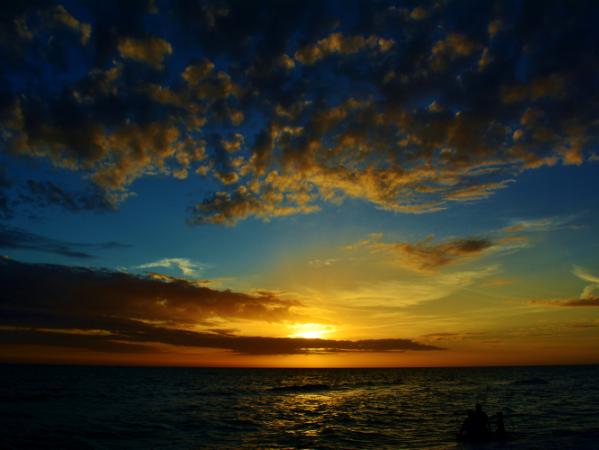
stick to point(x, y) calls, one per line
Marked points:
point(62, 16)
point(337, 43)
point(446, 50)
point(151, 51)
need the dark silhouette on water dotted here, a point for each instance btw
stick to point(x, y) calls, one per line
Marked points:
point(476, 426)
point(500, 426)
point(481, 421)
point(467, 429)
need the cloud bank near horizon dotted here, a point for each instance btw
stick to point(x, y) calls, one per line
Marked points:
point(106, 311)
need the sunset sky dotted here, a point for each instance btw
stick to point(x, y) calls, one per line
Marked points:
point(299, 183)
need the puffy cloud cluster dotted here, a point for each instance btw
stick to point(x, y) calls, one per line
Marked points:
point(287, 107)
point(150, 51)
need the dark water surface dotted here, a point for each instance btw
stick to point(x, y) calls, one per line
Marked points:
point(178, 408)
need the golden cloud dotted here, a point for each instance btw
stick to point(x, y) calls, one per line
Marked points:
point(62, 16)
point(151, 51)
point(338, 43)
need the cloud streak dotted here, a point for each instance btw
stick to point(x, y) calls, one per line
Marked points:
point(427, 256)
point(18, 239)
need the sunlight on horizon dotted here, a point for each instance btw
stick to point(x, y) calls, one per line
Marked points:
point(311, 331)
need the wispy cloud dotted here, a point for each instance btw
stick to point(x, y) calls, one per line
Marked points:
point(403, 293)
point(587, 296)
point(185, 266)
point(543, 224)
point(427, 256)
point(588, 291)
point(19, 239)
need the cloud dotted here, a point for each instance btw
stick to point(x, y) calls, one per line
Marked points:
point(587, 301)
point(497, 282)
point(138, 338)
point(18, 239)
point(454, 45)
point(6, 206)
point(588, 291)
point(117, 294)
point(62, 16)
point(320, 263)
point(151, 51)
point(184, 265)
point(549, 86)
point(418, 13)
point(341, 44)
point(587, 297)
point(426, 256)
point(108, 311)
point(47, 193)
point(405, 293)
point(335, 109)
point(541, 225)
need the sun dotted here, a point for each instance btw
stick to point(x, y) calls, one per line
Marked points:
point(311, 330)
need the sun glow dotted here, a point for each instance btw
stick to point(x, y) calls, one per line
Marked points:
point(311, 331)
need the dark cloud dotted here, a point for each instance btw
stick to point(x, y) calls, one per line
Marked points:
point(6, 206)
point(409, 108)
point(139, 339)
point(586, 301)
point(428, 256)
point(18, 239)
point(91, 292)
point(108, 311)
point(47, 193)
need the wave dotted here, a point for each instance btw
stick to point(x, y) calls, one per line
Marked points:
point(311, 387)
point(530, 381)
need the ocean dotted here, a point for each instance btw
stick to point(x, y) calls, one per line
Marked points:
point(70, 407)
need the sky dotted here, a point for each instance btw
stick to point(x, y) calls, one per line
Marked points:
point(299, 183)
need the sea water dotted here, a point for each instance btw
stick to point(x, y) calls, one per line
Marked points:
point(68, 407)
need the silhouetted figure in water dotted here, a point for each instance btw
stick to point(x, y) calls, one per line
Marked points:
point(467, 430)
point(475, 426)
point(481, 422)
point(500, 427)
